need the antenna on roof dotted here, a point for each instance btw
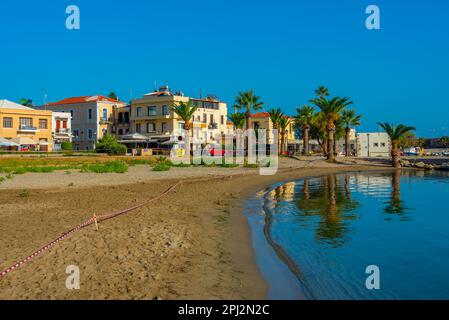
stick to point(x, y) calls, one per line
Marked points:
point(155, 86)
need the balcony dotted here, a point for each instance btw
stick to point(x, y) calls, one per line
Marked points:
point(213, 126)
point(63, 131)
point(105, 122)
point(29, 129)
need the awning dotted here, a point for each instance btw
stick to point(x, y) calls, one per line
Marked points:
point(24, 141)
point(8, 143)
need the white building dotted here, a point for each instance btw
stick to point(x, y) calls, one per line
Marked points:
point(373, 144)
point(61, 128)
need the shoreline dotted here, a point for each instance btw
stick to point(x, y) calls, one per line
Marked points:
point(193, 244)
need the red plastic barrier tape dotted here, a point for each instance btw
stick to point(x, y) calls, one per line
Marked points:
point(81, 226)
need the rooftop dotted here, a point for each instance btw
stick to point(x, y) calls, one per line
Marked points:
point(6, 104)
point(84, 99)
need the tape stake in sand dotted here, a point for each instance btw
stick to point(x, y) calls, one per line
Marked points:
point(92, 220)
point(96, 222)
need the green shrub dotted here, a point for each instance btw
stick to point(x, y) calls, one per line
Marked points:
point(161, 167)
point(109, 144)
point(24, 194)
point(2, 179)
point(20, 170)
point(66, 146)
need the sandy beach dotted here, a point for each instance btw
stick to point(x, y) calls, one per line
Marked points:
point(192, 244)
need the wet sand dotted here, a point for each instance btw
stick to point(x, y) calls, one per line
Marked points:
point(192, 244)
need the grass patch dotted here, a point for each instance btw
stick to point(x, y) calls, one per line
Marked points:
point(161, 167)
point(107, 167)
point(24, 194)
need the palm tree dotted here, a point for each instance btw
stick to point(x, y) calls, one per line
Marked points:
point(331, 109)
point(284, 122)
point(322, 92)
point(238, 120)
point(26, 102)
point(275, 116)
point(395, 133)
point(444, 141)
point(248, 101)
point(304, 117)
point(185, 110)
point(113, 96)
point(349, 118)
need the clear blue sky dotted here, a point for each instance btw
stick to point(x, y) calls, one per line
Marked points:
point(281, 49)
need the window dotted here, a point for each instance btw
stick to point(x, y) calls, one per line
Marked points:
point(138, 112)
point(72, 113)
point(43, 124)
point(76, 133)
point(89, 114)
point(90, 134)
point(138, 127)
point(383, 144)
point(211, 118)
point(120, 132)
point(376, 145)
point(7, 122)
point(151, 127)
point(222, 119)
point(204, 118)
point(181, 125)
point(152, 111)
point(165, 110)
point(26, 122)
point(164, 127)
point(105, 114)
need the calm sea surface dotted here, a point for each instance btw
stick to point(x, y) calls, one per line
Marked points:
point(326, 231)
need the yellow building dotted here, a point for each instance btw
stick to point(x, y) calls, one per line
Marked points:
point(261, 120)
point(153, 117)
point(28, 127)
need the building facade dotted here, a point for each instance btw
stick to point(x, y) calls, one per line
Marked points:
point(373, 144)
point(122, 121)
point(261, 120)
point(61, 129)
point(28, 127)
point(92, 117)
point(153, 116)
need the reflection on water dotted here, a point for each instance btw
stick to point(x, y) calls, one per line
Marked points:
point(336, 225)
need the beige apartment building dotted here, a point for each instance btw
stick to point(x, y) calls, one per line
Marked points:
point(28, 128)
point(153, 117)
point(261, 120)
point(91, 118)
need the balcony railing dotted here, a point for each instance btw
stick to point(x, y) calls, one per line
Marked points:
point(63, 131)
point(25, 128)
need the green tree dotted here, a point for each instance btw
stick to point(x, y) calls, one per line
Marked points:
point(26, 102)
point(304, 118)
point(284, 122)
point(238, 120)
point(396, 133)
point(322, 92)
point(186, 110)
point(113, 96)
point(109, 144)
point(444, 141)
point(275, 116)
point(331, 108)
point(248, 101)
point(350, 119)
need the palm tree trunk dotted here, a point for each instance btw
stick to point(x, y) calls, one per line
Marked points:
point(395, 155)
point(347, 142)
point(305, 150)
point(282, 142)
point(330, 143)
